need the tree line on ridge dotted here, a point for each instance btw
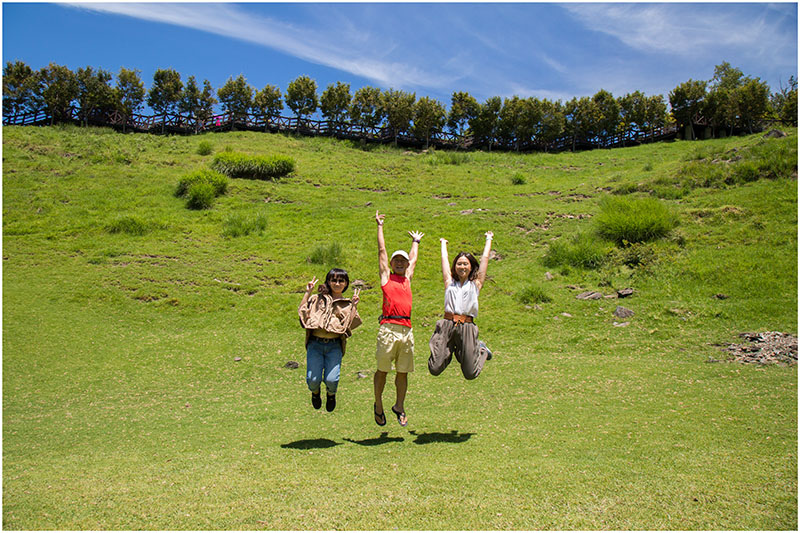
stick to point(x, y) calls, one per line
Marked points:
point(728, 103)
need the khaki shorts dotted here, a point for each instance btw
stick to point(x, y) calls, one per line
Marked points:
point(395, 343)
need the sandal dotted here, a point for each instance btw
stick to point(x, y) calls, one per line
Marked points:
point(402, 419)
point(380, 418)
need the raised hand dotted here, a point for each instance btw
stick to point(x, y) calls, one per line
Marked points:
point(416, 235)
point(489, 235)
point(311, 284)
point(355, 297)
point(379, 218)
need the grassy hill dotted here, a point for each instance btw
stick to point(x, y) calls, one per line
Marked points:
point(124, 313)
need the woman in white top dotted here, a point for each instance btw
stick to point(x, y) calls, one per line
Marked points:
point(457, 333)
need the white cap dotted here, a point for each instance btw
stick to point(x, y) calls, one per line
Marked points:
point(401, 253)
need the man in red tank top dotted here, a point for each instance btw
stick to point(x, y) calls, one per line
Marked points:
point(395, 336)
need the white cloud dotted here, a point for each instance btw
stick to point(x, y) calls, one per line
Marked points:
point(344, 50)
point(683, 29)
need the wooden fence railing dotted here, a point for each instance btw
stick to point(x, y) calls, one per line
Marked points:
point(172, 123)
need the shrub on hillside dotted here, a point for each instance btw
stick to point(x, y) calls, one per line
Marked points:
point(217, 181)
point(241, 225)
point(238, 165)
point(628, 220)
point(448, 158)
point(581, 251)
point(330, 254)
point(518, 179)
point(205, 148)
point(200, 195)
point(129, 225)
point(533, 295)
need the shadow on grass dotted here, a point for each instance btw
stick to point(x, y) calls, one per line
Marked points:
point(309, 444)
point(453, 437)
point(383, 439)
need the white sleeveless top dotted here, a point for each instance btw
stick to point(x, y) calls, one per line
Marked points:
point(461, 299)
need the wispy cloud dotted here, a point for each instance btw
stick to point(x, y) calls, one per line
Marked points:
point(351, 50)
point(683, 29)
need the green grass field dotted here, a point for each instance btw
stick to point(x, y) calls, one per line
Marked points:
point(124, 312)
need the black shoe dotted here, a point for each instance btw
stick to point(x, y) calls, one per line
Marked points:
point(316, 400)
point(330, 403)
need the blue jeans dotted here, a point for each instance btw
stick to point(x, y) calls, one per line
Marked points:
point(323, 363)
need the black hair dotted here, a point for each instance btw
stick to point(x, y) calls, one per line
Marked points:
point(473, 272)
point(337, 273)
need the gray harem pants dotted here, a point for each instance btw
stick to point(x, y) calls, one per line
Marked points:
point(460, 339)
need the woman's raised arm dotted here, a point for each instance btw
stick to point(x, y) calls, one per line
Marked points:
point(446, 275)
point(487, 249)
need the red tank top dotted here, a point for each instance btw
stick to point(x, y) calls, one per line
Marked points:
point(397, 300)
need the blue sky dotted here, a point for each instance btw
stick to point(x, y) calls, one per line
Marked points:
point(547, 50)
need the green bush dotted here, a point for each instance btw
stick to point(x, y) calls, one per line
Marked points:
point(518, 179)
point(628, 220)
point(626, 188)
point(217, 181)
point(238, 165)
point(449, 158)
point(534, 295)
point(330, 254)
point(205, 148)
point(200, 195)
point(241, 225)
point(582, 251)
point(128, 224)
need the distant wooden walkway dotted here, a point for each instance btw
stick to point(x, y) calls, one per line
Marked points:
point(186, 125)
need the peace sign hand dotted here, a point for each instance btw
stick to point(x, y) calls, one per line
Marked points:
point(311, 284)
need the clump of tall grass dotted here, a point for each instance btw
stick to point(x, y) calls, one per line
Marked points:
point(770, 160)
point(238, 165)
point(518, 179)
point(330, 254)
point(242, 225)
point(449, 158)
point(205, 148)
point(703, 174)
point(533, 294)
point(200, 195)
point(129, 225)
point(201, 187)
point(628, 220)
point(582, 251)
point(215, 179)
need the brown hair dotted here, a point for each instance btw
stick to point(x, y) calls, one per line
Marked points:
point(473, 273)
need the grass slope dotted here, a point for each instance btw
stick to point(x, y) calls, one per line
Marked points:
point(124, 311)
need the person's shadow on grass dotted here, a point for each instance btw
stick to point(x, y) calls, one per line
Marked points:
point(309, 444)
point(383, 439)
point(453, 437)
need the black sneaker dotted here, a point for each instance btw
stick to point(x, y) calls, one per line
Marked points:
point(330, 403)
point(316, 400)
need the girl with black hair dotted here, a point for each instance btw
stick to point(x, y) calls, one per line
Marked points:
point(457, 333)
point(328, 318)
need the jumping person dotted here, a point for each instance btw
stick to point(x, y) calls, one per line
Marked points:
point(328, 318)
point(457, 333)
point(395, 336)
